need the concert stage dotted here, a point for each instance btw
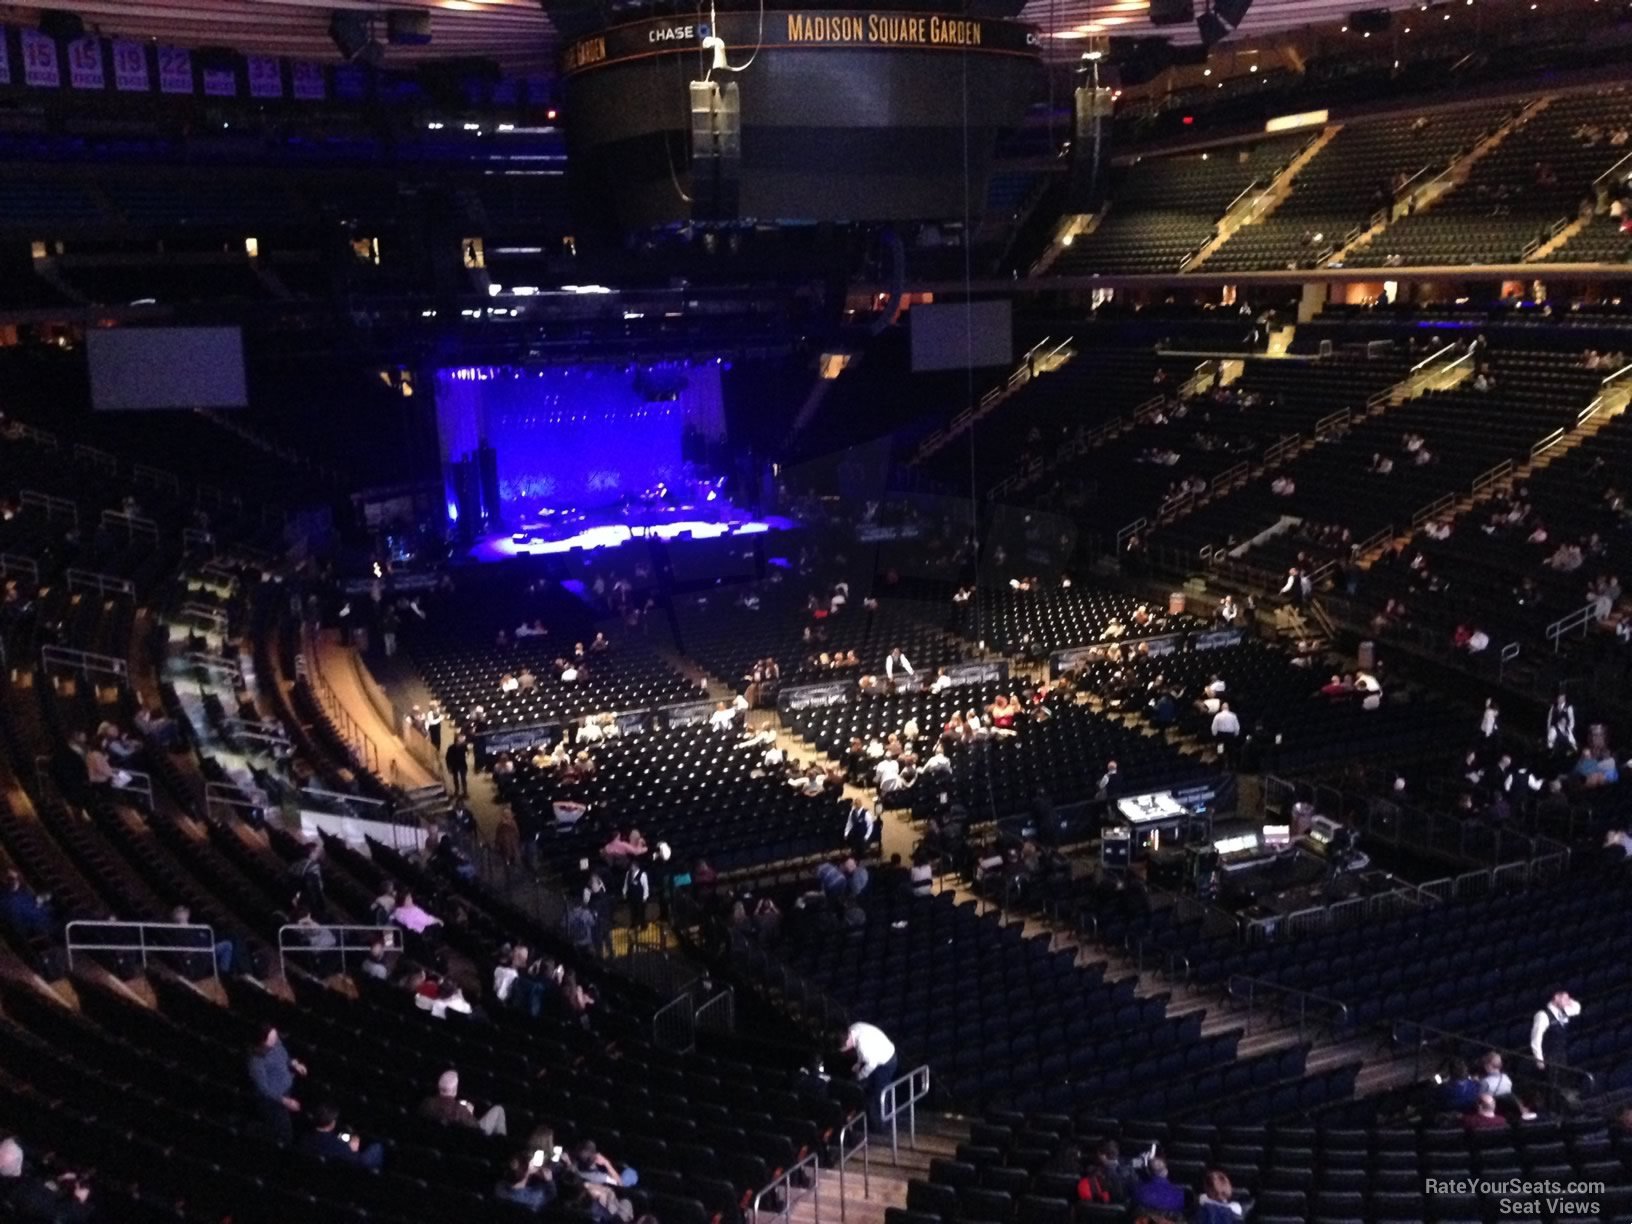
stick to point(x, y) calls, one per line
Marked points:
point(554, 533)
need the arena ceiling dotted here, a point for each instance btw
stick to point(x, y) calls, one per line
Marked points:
point(520, 35)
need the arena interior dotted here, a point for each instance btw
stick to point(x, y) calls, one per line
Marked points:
point(951, 612)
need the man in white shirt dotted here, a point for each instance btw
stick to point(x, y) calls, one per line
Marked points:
point(723, 718)
point(941, 683)
point(1226, 729)
point(569, 674)
point(875, 1066)
point(1549, 1041)
point(896, 661)
point(590, 732)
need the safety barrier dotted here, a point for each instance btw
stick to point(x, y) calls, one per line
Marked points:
point(1273, 996)
point(90, 580)
point(1287, 446)
point(54, 507)
point(1546, 444)
point(40, 437)
point(86, 662)
point(1432, 510)
point(719, 1014)
point(891, 1107)
point(781, 1191)
point(96, 457)
point(1332, 423)
point(133, 782)
point(195, 540)
point(233, 799)
point(298, 939)
point(14, 565)
point(848, 1151)
point(158, 478)
point(195, 939)
point(674, 1025)
point(133, 525)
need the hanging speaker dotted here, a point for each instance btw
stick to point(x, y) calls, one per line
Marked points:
point(1171, 12)
point(716, 150)
point(348, 29)
point(1231, 12)
point(61, 25)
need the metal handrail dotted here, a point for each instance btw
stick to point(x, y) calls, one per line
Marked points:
point(679, 1013)
point(101, 583)
point(288, 942)
point(1625, 157)
point(891, 1106)
point(705, 1016)
point(1427, 1033)
point(1491, 477)
point(846, 1152)
point(1578, 619)
point(16, 563)
point(84, 661)
point(72, 944)
point(1432, 357)
point(1547, 443)
point(1256, 986)
point(785, 1180)
point(1433, 509)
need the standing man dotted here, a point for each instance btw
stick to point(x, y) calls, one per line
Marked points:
point(273, 1072)
point(1550, 1042)
point(433, 725)
point(1561, 723)
point(459, 765)
point(875, 1066)
point(896, 661)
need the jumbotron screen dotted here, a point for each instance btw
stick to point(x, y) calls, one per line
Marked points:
point(845, 115)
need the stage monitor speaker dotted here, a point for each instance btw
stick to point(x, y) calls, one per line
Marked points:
point(408, 27)
point(487, 460)
point(716, 150)
point(349, 30)
point(61, 24)
point(1370, 21)
point(1172, 12)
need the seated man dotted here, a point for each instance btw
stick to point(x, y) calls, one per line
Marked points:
point(447, 1108)
point(328, 1142)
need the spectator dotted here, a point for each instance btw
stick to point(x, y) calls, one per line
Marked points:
point(328, 1142)
point(1561, 723)
point(446, 1107)
point(875, 1066)
point(637, 891)
point(1484, 1115)
point(272, 1074)
point(64, 1199)
point(1216, 1204)
point(529, 1182)
point(374, 965)
point(306, 875)
point(26, 913)
point(593, 1166)
point(1156, 1194)
point(410, 916)
point(1106, 1180)
point(458, 759)
point(600, 901)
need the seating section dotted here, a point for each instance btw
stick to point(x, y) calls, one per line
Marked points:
point(705, 792)
point(1164, 209)
point(1285, 1172)
point(1063, 755)
point(1602, 240)
point(1536, 178)
point(1354, 176)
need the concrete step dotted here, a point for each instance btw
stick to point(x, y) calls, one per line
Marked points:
point(861, 1200)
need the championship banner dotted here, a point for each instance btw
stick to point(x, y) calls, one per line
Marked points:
point(220, 83)
point(748, 30)
point(308, 81)
point(175, 70)
point(40, 66)
point(265, 76)
point(130, 74)
point(85, 64)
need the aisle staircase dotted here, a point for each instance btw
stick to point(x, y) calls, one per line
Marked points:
point(1253, 206)
point(1424, 195)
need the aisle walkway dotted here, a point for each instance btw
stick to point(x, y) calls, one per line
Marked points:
point(339, 667)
